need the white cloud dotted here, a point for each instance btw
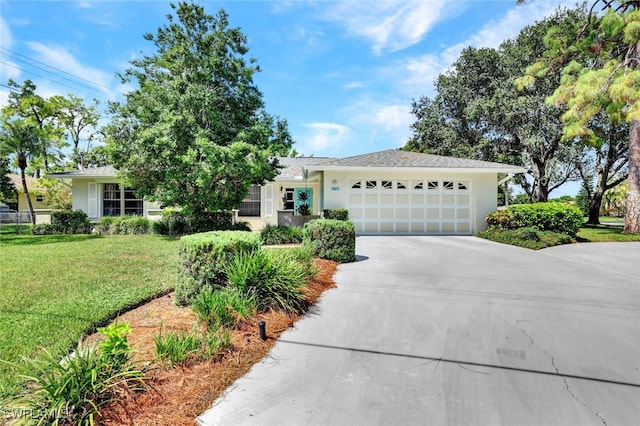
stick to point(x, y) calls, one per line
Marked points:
point(416, 75)
point(324, 136)
point(392, 117)
point(390, 25)
point(60, 58)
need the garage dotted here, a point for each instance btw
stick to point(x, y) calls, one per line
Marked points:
point(410, 206)
point(409, 193)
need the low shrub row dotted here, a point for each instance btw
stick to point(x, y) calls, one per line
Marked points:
point(64, 222)
point(123, 225)
point(175, 223)
point(529, 237)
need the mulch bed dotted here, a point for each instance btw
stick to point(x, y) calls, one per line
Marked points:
point(176, 396)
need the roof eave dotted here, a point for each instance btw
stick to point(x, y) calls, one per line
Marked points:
point(470, 170)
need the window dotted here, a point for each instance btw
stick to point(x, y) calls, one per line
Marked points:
point(432, 185)
point(288, 199)
point(250, 206)
point(419, 186)
point(462, 186)
point(356, 185)
point(371, 184)
point(447, 185)
point(387, 184)
point(39, 198)
point(117, 201)
point(401, 185)
point(111, 201)
point(132, 204)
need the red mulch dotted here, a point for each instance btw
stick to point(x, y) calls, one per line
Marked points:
point(176, 396)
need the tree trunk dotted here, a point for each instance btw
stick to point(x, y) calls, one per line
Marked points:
point(632, 216)
point(26, 195)
point(594, 205)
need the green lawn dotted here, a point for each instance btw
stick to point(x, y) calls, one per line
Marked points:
point(604, 233)
point(53, 289)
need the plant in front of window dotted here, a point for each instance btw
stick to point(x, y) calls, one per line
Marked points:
point(303, 207)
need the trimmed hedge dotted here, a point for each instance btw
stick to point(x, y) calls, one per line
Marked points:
point(273, 235)
point(65, 222)
point(331, 239)
point(176, 223)
point(204, 257)
point(337, 214)
point(123, 225)
point(555, 217)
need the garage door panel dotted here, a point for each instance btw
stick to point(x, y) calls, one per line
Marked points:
point(417, 199)
point(402, 199)
point(386, 199)
point(433, 200)
point(370, 213)
point(371, 199)
point(386, 227)
point(386, 213)
point(371, 228)
point(402, 213)
point(417, 228)
point(433, 227)
point(448, 200)
point(417, 213)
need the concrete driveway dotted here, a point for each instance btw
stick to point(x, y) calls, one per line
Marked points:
point(457, 331)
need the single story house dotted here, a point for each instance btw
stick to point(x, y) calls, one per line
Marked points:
point(18, 203)
point(386, 192)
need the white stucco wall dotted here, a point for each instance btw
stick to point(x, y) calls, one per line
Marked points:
point(484, 189)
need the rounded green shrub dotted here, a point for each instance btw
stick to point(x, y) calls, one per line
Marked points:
point(331, 239)
point(204, 256)
point(555, 217)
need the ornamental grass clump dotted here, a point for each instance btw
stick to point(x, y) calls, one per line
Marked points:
point(273, 278)
point(223, 308)
point(181, 347)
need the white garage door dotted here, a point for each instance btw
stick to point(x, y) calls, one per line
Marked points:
point(410, 206)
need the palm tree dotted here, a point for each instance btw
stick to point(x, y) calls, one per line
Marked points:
point(613, 201)
point(21, 139)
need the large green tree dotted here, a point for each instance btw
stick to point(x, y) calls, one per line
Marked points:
point(608, 82)
point(21, 139)
point(79, 122)
point(195, 132)
point(478, 112)
point(25, 103)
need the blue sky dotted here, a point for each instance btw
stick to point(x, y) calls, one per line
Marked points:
point(342, 73)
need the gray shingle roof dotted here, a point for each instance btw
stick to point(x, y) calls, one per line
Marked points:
point(393, 158)
point(293, 166)
point(106, 171)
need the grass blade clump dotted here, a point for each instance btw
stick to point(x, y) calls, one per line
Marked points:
point(72, 391)
point(274, 278)
point(225, 307)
